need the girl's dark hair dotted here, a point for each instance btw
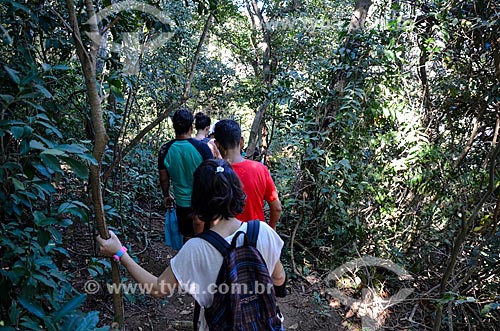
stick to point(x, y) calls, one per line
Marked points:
point(217, 191)
point(201, 121)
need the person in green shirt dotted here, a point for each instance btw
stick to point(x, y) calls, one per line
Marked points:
point(177, 161)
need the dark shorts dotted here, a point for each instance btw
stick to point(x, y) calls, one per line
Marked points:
point(185, 221)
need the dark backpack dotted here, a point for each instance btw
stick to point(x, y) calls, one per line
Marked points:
point(244, 299)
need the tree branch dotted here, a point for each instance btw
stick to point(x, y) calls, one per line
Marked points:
point(187, 90)
point(460, 239)
point(185, 96)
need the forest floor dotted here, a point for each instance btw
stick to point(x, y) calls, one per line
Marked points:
point(303, 308)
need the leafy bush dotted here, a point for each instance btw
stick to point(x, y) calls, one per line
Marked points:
point(35, 293)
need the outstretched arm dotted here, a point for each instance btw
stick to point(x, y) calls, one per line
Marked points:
point(156, 286)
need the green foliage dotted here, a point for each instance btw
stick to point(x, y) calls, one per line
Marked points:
point(37, 159)
point(35, 291)
point(368, 137)
point(367, 156)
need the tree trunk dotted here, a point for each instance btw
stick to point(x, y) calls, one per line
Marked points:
point(254, 131)
point(359, 15)
point(88, 61)
point(268, 67)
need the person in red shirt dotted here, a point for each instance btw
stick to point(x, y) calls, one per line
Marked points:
point(255, 177)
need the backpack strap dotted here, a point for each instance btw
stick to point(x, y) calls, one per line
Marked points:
point(222, 246)
point(216, 240)
point(253, 232)
point(196, 315)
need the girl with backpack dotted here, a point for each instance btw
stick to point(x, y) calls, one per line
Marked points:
point(200, 268)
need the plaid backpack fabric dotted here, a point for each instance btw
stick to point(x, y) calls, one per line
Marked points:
point(244, 298)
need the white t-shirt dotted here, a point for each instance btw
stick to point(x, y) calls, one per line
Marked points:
point(197, 264)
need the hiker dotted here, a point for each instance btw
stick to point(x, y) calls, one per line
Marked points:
point(255, 177)
point(177, 161)
point(217, 198)
point(202, 125)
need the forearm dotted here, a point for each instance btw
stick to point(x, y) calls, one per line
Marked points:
point(165, 182)
point(149, 282)
point(278, 276)
point(274, 213)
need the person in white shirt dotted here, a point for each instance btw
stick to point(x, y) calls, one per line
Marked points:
point(217, 197)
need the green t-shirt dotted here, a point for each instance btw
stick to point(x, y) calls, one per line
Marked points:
point(181, 158)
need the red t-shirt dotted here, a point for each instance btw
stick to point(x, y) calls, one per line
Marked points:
point(258, 186)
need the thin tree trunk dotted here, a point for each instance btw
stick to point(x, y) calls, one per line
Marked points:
point(88, 61)
point(254, 131)
point(187, 90)
point(468, 146)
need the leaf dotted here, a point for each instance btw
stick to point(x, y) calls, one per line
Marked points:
point(18, 185)
point(93, 273)
point(44, 91)
point(27, 131)
point(46, 187)
point(89, 157)
point(43, 237)
point(70, 208)
point(7, 98)
point(60, 67)
point(13, 313)
point(34, 105)
point(79, 168)
point(70, 306)
point(89, 322)
point(45, 171)
point(72, 148)
point(17, 6)
point(489, 307)
point(45, 261)
point(13, 74)
point(56, 234)
point(345, 163)
point(38, 217)
point(35, 144)
point(49, 143)
point(17, 132)
point(32, 308)
point(42, 116)
point(46, 281)
point(51, 162)
point(70, 323)
point(32, 325)
point(466, 300)
point(54, 151)
point(49, 324)
point(51, 128)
